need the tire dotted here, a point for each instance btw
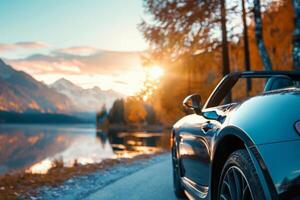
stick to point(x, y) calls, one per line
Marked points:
point(240, 177)
point(177, 185)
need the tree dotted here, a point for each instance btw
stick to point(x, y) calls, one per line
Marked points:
point(179, 27)
point(102, 118)
point(151, 116)
point(225, 52)
point(246, 44)
point(259, 36)
point(101, 115)
point(203, 59)
point(116, 113)
point(179, 30)
point(278, 36)
point(296, 36)
point(134, 110)
point(183, 37)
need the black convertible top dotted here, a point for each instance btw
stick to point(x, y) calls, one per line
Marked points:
point(266, 74)
point(230, 79)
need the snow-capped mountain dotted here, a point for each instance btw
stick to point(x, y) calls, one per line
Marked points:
point(20, 92)
point(88, 100)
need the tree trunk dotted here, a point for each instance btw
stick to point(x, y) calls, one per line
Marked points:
point(259, 36)
point(246, 47)
point(225, 52)
point(189, 80)
point(296, 36)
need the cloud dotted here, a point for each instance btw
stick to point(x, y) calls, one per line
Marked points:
point(31, 45)
point(38, 67)
point(77, 50)
point(7, 47)
point(102, 62)
point(22, 45)
point(120, 82)
point(121, 71)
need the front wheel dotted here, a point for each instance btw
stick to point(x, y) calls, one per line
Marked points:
point(239, 179)
point(177, 185)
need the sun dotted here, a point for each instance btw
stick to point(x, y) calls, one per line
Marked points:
point(155, 72)
point(152, 77)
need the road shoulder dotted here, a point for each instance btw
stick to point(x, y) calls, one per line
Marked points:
point(152, 182)
point(83, 186)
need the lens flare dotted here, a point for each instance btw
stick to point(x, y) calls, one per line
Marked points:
point(155, 72)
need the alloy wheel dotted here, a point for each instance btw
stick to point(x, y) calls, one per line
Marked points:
point(235, 186)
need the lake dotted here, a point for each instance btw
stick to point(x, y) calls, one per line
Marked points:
point(35, 147)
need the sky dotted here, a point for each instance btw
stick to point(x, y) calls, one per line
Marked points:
point(90, 42)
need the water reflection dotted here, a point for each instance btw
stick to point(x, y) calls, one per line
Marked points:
point(136, 143)
point(36, 147)
point(83, 150)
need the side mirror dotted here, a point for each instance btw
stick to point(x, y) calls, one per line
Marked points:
point(193, 102)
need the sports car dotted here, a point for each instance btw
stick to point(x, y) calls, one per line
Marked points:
point(243, 142)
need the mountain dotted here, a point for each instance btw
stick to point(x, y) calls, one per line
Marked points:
point(89, 100)
point(19, 92)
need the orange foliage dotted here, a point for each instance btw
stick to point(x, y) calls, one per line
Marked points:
point(201, 73)
point(134, 110)
point(278, 29)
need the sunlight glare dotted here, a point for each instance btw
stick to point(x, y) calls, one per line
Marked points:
point(40, 167)
point(155, 72)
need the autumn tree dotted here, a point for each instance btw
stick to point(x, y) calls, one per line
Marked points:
point(151, 115)
point(179, 27)
point(182, 36)
point(278, 36)
point(198, 65)
point(135, 111)
point(178, 30)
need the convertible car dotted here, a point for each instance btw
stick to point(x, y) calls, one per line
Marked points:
point(243, 143)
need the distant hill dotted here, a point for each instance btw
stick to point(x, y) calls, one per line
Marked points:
point(19, 92)
point(89, 100)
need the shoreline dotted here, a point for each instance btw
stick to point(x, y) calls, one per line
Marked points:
point(24, 185)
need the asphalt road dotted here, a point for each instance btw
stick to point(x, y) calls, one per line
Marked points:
point(152, 182)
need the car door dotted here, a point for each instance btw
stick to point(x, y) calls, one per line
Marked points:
point(197, 131)
point(195, 148)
